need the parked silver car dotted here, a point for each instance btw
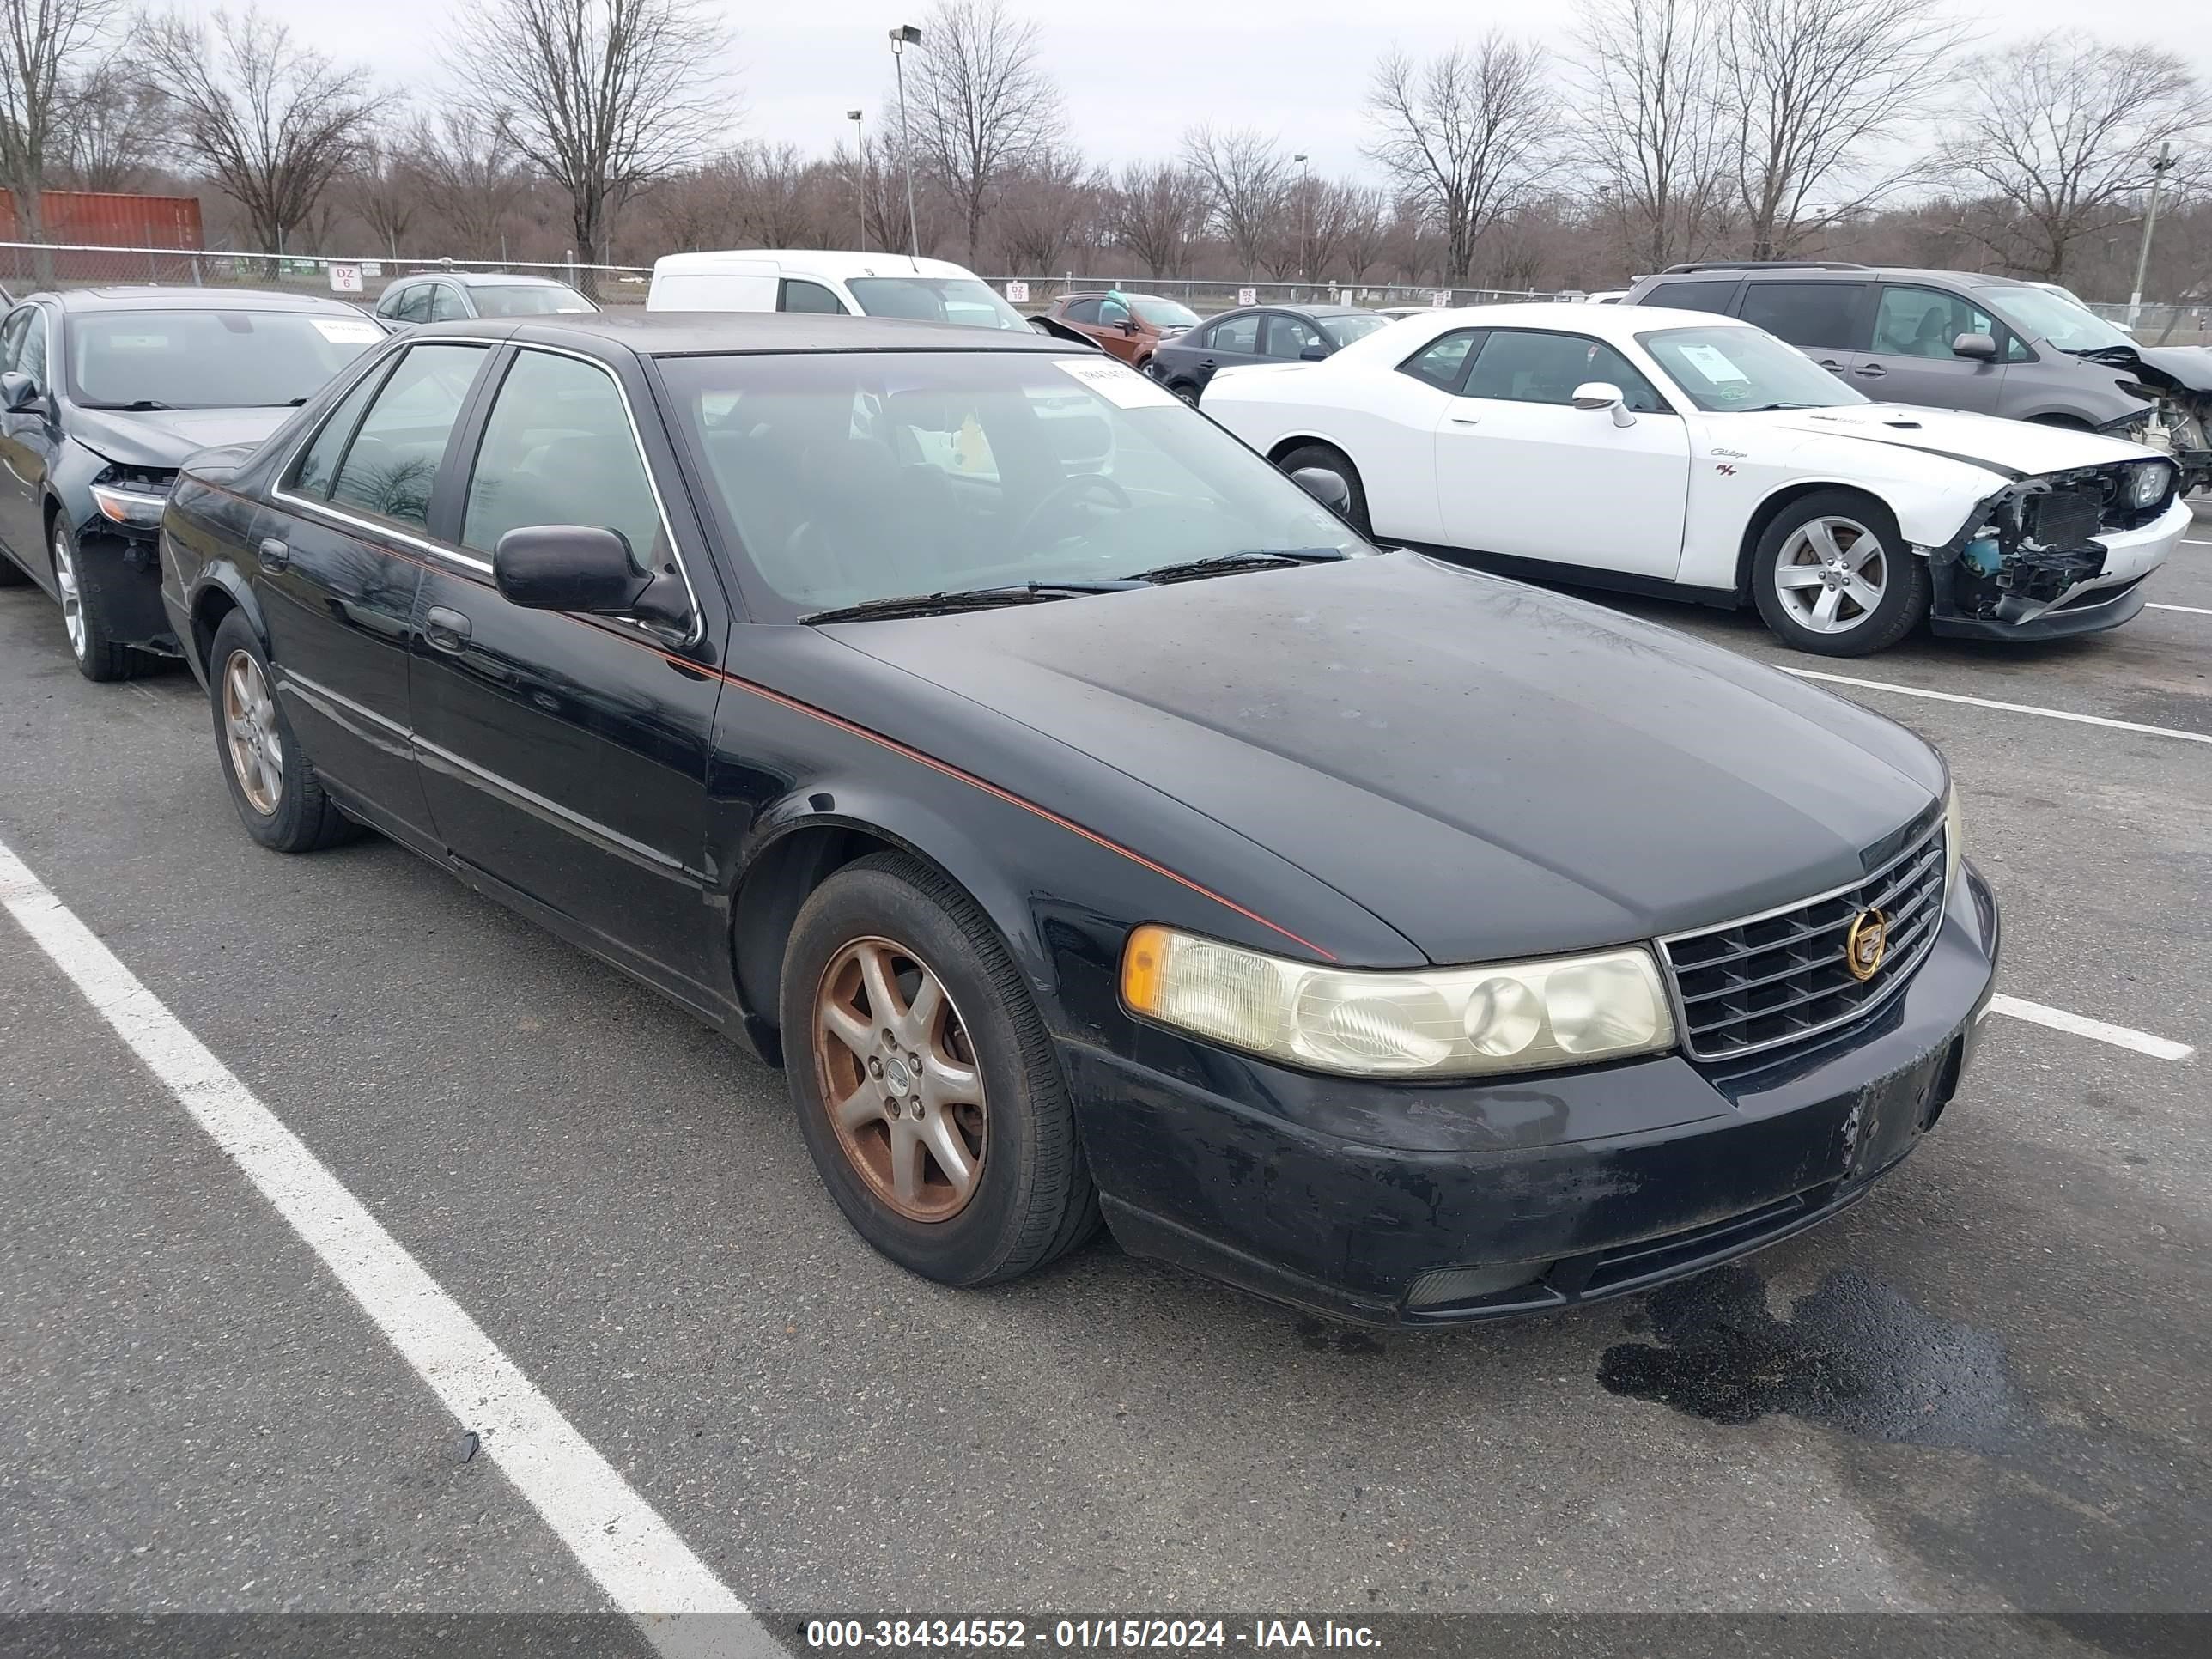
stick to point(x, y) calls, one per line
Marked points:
point(1955, 339)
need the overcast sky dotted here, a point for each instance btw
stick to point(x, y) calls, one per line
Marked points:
point(1136, 72)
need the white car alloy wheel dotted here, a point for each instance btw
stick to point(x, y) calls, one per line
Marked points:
point(65, 581)
point(1832, 574)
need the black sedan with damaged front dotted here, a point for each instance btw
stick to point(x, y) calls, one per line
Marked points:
point(1092, 825)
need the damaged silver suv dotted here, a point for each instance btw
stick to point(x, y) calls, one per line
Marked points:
point(1955, 339)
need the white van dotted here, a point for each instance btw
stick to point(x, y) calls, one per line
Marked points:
point(868, 285)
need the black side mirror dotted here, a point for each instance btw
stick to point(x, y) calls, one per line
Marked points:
point(1981, 346)
point(1128, 326)
point(1314, 353)
point(1326, 487)
point(18, 391)
point(573, 567)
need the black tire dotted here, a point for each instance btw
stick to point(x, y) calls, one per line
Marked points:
point(1331, 459)
point(1033, 1199)
point(1186, 390)
point(1905, 587)
point(300, 817)
point(83, 582)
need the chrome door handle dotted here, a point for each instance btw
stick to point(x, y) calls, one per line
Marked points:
point(275, 555)
point(446, 630)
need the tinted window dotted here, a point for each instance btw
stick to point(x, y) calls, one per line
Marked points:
point(1921, 322)
point(1236, 334)
point(526, 299)
point(1522, 367)
point(1441, 362)
point(799, 294)
point(319, 464)
point(1287, 336)
point(31, 357)
point(1694, 296)
point(1812, 314)
point(557, 449)
point(1082, 310)
point(210, 359)
point(12, 333)
point(393, 460)
point(414, 305)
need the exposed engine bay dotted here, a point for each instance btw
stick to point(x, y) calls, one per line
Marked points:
point(2176, 381)
point(2030, 546)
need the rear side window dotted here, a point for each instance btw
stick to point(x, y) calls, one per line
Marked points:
point(392, 461)
point(1816, 315)
point(1237, 334)
point(799, 294)
point(1441, 362)
point(1693, 296)
point(558, 449)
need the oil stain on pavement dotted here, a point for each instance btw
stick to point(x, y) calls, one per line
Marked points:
point(1854, 1355)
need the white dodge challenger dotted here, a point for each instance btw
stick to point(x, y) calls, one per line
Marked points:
point(1679, 452)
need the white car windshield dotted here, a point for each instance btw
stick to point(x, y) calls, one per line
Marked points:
point(1732, 370)
point(962, 300)
point(848, 478)
point(2042, 315)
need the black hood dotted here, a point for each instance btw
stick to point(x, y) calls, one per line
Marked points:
point(163, 438)
point(1488, 767)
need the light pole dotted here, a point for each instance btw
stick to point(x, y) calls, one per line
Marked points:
point(1306, 210)
point(903, 36)
point(2159, 169)
point(859, 175)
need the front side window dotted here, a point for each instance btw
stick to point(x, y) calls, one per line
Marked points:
point(392, 461)
point(12, 335)
point(851, 476)
point(557, 449)
point(447, 305)
point(210, 359)
point(31, 357)
point(1818, 316)
point(1237, 334)
point(414, 306)
point(799, 294)
point(1521, 367)
point(962, 300)
point(1921, 322)
point(1287, 336)
point(1442, 360)
point(318, 464)
point(1722, 369)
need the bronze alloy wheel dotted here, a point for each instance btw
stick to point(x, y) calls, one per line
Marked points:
point(249, 726)
point(899, 1079)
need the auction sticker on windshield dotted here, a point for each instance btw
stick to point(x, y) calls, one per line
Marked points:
point(1124, 388)
point(343, 330)
point(1713, 363)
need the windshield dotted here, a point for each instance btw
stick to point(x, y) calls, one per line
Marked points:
point(962, 300)
point(210, 359)
point(1720, 369)
point(853, 477)
point(1345, 330)
point(2042, 315)
point(526, 299)
point(1162, 313)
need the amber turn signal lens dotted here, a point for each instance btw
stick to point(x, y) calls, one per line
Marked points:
point(1141, 962)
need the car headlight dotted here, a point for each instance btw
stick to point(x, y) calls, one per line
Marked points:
point(1447, 1022)
point(131, 504)
point(1954, 836)
point(2151, 481)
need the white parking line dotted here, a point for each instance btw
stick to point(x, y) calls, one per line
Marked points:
point(637, 1558)
point(2080, 1025)
point(2193, 609)
point(1990, 702)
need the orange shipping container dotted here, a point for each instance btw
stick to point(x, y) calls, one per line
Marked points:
point(110, 219)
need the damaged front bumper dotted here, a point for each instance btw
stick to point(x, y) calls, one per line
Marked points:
point(1443, 1203)
point(2002, 577)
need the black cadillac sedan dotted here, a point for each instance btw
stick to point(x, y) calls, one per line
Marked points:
point(1090, 822)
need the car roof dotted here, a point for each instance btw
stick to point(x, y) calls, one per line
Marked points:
point(841, 264)
point(1817, 273)
point(1614, 325)
point(153, 296)
point(701, 333)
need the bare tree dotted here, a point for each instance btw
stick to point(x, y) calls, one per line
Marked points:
point(116, 128)
point(383, 188)
point(604, 97)
point(1249, 183)
point(1366, 232)
point(1812, 92)
point(1652, 113)
point(2059, 130)
point(984, 105)
point(48, 45)
point(1043, 208)
point(1155, 209)
point(1466, 134)
point(468, 174)
point(270, 123)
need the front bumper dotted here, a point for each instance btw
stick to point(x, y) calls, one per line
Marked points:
point(2105, 601)
point(1442, 1204)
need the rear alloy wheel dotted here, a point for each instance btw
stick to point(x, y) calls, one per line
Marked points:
point(1834, 576)
point(1185, 391)
point(80, 585)
point(927, 1090)
point(279, 797)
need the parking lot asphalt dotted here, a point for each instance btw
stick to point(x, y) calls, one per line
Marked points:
point(1982, 1390)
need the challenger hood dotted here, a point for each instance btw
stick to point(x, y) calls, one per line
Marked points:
point(2001, 447)
point(161, 438)
point(1489, 768)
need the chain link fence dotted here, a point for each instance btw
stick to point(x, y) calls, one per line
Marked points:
point(1206, 295)
point(2161, 324)
point(26, 266)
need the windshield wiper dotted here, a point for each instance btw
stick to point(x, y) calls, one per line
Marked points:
point(1226, 564)
point(1768, 409)
point(964, 598)
point(145, 406)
